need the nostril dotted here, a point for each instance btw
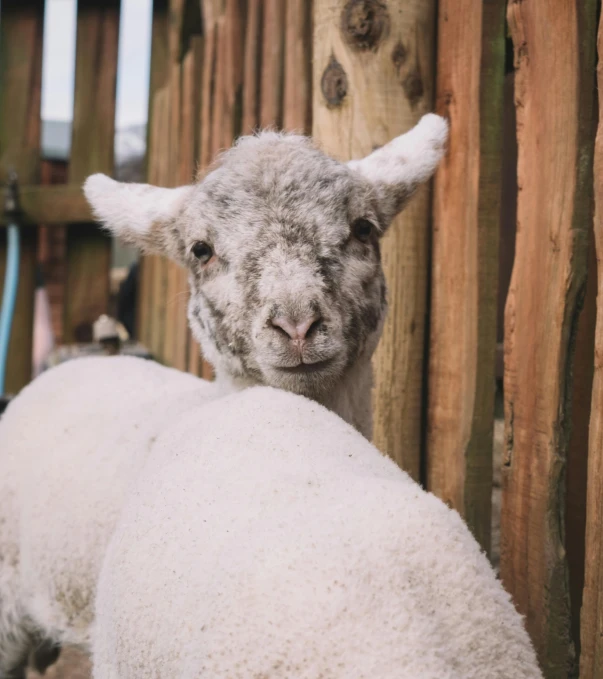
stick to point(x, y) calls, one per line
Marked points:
point(296, 331)
point(314, 327)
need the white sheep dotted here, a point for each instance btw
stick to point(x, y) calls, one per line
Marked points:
point(283, 544)
point(287, 289)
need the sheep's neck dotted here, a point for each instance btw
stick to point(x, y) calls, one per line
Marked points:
point(351, 399)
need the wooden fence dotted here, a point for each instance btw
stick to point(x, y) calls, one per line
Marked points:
point(356, 73)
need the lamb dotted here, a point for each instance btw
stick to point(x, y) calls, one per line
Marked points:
point(282, 246)
point(285, 545)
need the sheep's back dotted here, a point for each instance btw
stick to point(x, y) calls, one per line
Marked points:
point(283, 544)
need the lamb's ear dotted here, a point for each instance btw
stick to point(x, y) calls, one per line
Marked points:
point(401, 166)
point(139, 214)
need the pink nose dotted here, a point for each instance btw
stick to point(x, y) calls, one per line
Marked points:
point(296, 331)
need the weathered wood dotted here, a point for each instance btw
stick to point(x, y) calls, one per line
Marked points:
point(21, 31)
point(58, 204)
point(89, 249)
point(467, 192)
point(374, 105)
point(273, 64)
point(577, 450)
point(297, 107)
point(252, 66)
point(158, 78)
point(553, 219)
point(207, 96)
point(591, 632)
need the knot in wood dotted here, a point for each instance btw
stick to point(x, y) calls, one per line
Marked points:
point(413, 87)
point(334, 83)
point(364, 23)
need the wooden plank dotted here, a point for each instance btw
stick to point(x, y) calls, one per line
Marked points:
point(554, 215)
point(89, 249)
point(591, 621)
point(48, 205)
point(577, 451)
point(467, 192)
point(158, 78)
point(207, 96)
point(271, 104)
point(374, 106)
point(21, 31)
point(252, 67)
point(297, 106)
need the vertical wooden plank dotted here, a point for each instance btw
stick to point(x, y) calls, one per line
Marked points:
point(381, 95)
point(467, 188)
point(297, 107)
point(88, 248)
point(252, 67)
point(554, 213)
point(157, 79)
point(271, 106)
point(207, 96)
point(21, 31)
point(591, 632)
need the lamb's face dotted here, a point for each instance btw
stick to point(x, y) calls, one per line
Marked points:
point(282, 247)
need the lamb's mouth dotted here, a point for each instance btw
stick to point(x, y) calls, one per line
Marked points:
point(305, 368)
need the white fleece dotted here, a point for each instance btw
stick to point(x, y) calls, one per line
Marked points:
point(70, 447)
point(283, 544)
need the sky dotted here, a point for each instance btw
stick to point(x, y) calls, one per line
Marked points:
point(132, 69)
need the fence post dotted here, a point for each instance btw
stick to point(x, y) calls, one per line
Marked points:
point(553, 95)
point(591, 654)
point(21, 31)
point(378, 58)
point(89, 248)
point(466, 217)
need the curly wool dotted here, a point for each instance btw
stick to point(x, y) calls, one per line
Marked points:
point(283, 544)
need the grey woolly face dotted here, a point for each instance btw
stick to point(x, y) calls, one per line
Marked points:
point(289, 289)
point(282, 247)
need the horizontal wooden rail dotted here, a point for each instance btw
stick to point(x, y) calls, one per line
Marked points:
point(59, 204)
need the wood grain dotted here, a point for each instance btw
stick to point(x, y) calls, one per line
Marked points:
point(297, 106)
point(93, 133)
point(467, 192)
point(21, 30)
point(271, 82)
point(591, 656)
point(553, 95)
point(384, 97)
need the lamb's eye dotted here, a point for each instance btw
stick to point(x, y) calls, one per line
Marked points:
point(202, 251)
point(362, 230)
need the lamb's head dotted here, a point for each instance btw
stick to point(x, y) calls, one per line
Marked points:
point(282, 247)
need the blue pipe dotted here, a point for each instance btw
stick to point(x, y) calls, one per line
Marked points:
point(9, 297)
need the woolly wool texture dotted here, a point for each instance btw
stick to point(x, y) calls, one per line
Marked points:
point(70, 446)
point(283, 544)
point(278, 235)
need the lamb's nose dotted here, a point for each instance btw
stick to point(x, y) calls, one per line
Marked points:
point(294, 329)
